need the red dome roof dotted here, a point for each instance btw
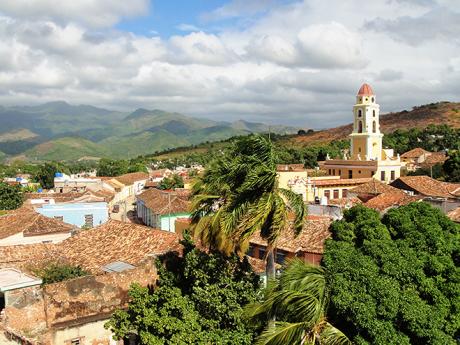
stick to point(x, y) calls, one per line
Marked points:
point(365, 90)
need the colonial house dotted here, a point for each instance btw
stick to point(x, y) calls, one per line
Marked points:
point(367, 157)
point(75, 183)
point(443, 195)
point(25, 226)
point(159, 209)
point(419, 158)
point(126, 186)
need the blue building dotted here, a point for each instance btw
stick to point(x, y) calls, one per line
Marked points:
point(88, 214)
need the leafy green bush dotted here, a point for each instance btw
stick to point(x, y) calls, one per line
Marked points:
point(395, 280)
point(11, 197)
point(56, 272)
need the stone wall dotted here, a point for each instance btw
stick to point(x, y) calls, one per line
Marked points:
point(46, 313)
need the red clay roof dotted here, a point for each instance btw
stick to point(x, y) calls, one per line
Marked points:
point(435, 158)
point(116, 241)
point(164, 202)
point(129, 179)
point(365, 90)
point(390, 199)
point(30, 223)
point(310, 240)
point(374, 187)
point(415, 153)
point(454, 215)
point(427, 186)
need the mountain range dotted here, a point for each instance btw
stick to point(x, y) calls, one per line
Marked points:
point(60, 131)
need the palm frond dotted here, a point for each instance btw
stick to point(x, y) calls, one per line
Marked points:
point(283, 333)
point(332, 336)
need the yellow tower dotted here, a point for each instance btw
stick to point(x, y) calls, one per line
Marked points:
point(366, 139)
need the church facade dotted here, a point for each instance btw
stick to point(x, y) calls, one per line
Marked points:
point(367, 157)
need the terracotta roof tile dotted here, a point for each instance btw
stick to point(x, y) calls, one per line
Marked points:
point(129, 179)
point(116, 241)
point(30, 223)
point(365, 90)
point(435, 158)
point(310, 240)
point(373, 187)
point(164, 202)
point(24, 257)
point(427, 186)
point(454, 215)
point(390, 199)
point(415, 153)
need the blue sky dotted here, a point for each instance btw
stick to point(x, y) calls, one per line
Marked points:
point(296, 62)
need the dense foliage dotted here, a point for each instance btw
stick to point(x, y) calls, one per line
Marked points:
point(11, 197)
point(111, 167)
point(199, 299)
point(451, 167)
point(395, 280)
point(432, 138)
point(297, 300)
point(238, 195)
point(57, 272)
point(46, 173)
point(173, 182)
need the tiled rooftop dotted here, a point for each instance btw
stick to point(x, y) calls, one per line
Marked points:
point(310, 240)
point(30, 223)
point(342, 182)
point(164, 202)
point(427, 186)
point(374, 187)
point(129, 179)
point(116, 241)
point(454, 215)
point(389, 199)
point(415, 153)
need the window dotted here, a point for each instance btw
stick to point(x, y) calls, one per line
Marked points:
point(333, 172)
point(327, 193)
point(61, 218)
point(367, 99)
point(336, 193)
point(360, 126)
point(261, 253)
point(250, 251)
point(350, 173)
point(374, 127)
point(382, 175)
point(330, 171)
point(392, 175)
point(344, 193)
point(373, 112)
point(89, 220)
point(360, 113)
point(372, 99)
point(280, 257)
point(340, 172)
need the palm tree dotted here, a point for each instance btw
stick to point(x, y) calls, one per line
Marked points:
point(239, 196)
point(298, 300)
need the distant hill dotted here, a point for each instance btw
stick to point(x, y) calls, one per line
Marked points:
point(419, 117)
point(60, 131)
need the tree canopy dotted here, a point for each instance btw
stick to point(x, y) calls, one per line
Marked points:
point(199, 299)
point(173, 182)
point(395, 280)
point(11, 197)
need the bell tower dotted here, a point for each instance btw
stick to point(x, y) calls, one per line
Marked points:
point(366, 139)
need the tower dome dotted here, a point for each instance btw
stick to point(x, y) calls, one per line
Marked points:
point(365, 90)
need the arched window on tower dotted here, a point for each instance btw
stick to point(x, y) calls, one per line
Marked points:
point(360, 126)
point(374, 127)
point(360, 113)
point(373, 112)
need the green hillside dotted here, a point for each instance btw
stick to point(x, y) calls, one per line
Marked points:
point(67, 148)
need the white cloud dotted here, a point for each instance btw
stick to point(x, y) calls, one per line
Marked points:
point(96, 13)
point(187, 27)
point(299, 63)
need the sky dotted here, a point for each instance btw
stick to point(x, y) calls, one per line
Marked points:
point(275, 61)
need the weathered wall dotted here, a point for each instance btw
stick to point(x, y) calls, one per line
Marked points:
point(74, 308)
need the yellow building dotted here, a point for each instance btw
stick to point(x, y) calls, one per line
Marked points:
point(367, 158)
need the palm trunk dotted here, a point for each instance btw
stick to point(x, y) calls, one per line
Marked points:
point(270, 265)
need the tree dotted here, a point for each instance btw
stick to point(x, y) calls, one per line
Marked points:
point(46, 173)
point(58, 272)
point(110, 167)
point(11, 197)
point(198, 299)
point(452, 167)
point(173, 182)
point(395, 280)
point(297, 300)
point(239, 196)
